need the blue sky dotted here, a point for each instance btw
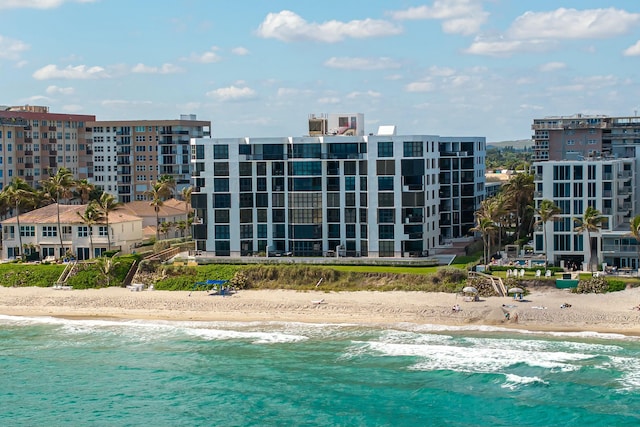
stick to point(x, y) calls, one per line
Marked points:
point(259, 68)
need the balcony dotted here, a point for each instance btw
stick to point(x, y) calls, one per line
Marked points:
point(53, 152)
point(28, 178)
point(624, 191)
point(53, 141)
point(28, 139)
point(607, 176)
point(28, 165)
point(52, 128)
point(27, 127)
point(28, 152)
point(607, 211)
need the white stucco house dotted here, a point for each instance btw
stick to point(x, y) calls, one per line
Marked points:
point(39, 232)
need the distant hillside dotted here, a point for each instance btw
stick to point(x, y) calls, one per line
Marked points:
point(520, 144)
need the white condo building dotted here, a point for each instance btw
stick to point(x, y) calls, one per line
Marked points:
point(608, 185)
point(345, 193)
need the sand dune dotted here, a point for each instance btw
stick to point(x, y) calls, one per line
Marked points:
point(602, 313)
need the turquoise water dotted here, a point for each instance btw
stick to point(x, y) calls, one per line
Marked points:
point(58, 372)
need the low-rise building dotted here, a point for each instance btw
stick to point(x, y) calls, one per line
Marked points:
point(39, 233)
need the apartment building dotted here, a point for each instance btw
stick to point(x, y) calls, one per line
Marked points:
point(579, 136)
point(339, 192)
point(130, 154)
point(35, 143)
point(607, 184)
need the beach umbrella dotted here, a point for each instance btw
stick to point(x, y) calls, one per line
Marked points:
point(469, 290)
point(516, 291)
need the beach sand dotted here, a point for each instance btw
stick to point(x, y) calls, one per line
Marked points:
point(541, 311)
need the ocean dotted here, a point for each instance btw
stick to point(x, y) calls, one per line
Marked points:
point(78, 372)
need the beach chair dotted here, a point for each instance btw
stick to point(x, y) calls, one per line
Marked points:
point(522, 272)
point(538, 273)
point(547, 273)
point(508, 272)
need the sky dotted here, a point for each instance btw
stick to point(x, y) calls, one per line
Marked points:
point(260, 68)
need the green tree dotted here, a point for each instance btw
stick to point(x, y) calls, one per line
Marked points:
point(590, 222)
point(486, 228)
point(519, 193)
point(156, 196)
point(182, 226)
point(168, 186)
point(107, 267)
point(547, 211)
point(186, 196)
point(17, 194)
point(84, 189)
point(58, 187)
point(108, 204)
point(90, 217)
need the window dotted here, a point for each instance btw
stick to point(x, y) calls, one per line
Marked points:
point(413, 149)
point(222, 231)
point(103, 231)
point(49, 231)
point(385, 232)
point(83, 231)
point(385, 149)
point(385, 183)
point(220, 151)
point(27, 230)
point(386, 216)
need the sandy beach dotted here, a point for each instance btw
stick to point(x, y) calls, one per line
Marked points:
point(541, 310)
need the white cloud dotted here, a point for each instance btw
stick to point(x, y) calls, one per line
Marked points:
point(79, 72)
point(37, 99)
point(54, 90)
point(72, 108)
point(574, 24)
point(164, 69)
point(11, 49)
point(37, 4)
point(240, 51)
point(441, 71)
point(347, 63)
point(502, 47)
point(393, 77)
point(633, 50)
point(369, 93)
point(123, 103)
point(232, 93)
point(329, 100)
point(288, 26)
point(207, 57)
point(424, 86)
point(285, 92)
point(552, 66)
point(458, 16)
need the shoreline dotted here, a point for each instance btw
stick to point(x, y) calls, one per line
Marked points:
point(611, 313)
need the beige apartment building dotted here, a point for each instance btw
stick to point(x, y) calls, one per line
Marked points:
point(130, 154)
point(35, 143)
point(583, 136)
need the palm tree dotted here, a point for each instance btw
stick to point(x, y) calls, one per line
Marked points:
point(15, 194)
point(59, 187)
point(155, 193)
point(182, 226)
point(548, 211)
point(634, 225)
point(84, 189)
point(168, 186)
point(591, 221)
point(487, 228)
point(90, 217)
point(107, 204)
point(165, 227)
point(186, 196)
point(107, 266)
point(519, 191)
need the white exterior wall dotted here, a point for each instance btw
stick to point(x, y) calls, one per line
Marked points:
point(622, 181)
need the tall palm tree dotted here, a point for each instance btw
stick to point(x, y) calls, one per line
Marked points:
point(58, 187)
point(107, 268)
point(107, 204)
point(486, 228)
point(591, 221)
point(548, 211)
point(519, 190)
point(186, 196)
point(156, 195)
point(90, 217)
point(168, 186)
point(17, 194)
point(165, 227)
point(182, 226)
point(84, 189)
point(634, 225)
